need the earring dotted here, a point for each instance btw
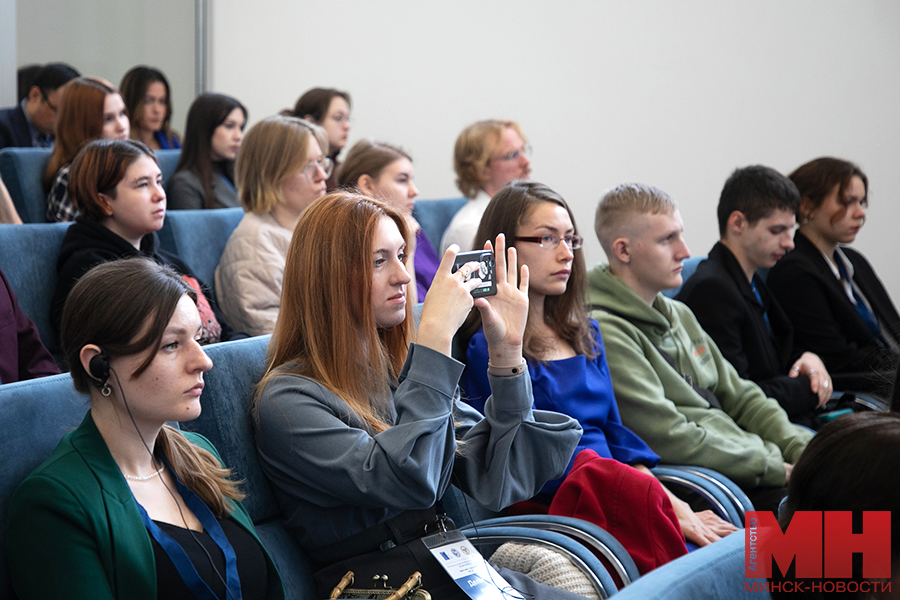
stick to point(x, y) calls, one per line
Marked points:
point(106, 390)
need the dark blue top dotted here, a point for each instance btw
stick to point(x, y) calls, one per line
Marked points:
point(166, 143)
point(577, 387)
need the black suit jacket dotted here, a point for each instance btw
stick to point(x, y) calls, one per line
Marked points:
point(722, 300)
point(827, 322)
point(14, 130)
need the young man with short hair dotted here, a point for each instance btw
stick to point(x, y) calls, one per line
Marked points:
point(756, 218)
point(673, 386)
point(33, 121)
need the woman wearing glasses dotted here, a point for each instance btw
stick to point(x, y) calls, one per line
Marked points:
point(488, 155)
point(566, 358)
point(205, 174)
point(329, 109)
point(281, 169)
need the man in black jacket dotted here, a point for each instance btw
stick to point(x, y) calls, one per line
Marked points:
point(756, 215)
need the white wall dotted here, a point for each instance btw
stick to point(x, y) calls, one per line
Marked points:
point(105, 38)
point(675, 94)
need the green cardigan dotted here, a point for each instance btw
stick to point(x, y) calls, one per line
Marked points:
point(75, 531)
point(748, 441)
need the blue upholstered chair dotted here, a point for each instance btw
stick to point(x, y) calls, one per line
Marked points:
point(35, 415)
point(486, 538)
point(198, 237)
point(225, 421)
point(168, 160)
point(435, 215)
point(22, 170)
point(28, 259)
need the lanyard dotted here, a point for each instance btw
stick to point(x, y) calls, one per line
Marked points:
point(179, 557)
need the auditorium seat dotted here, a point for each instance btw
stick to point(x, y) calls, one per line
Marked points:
point(198, 237)
point(435, 215)
point(28, 259)
point(23, 169)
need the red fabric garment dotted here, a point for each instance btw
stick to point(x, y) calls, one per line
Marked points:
point(210, 330)
point(630, 505)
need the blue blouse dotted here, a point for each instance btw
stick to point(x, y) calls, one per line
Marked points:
point(577, 387)
point(166, 143)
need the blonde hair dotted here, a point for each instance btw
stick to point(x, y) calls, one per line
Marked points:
point(624, 201)
point(326, 329)
point(273, 149)
point(474, 148)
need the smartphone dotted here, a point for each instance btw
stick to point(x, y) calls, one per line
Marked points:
point(485, 271)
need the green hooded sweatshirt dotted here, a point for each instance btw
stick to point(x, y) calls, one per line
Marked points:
point(748, 441)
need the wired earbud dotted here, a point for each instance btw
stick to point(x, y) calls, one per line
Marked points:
point(99, 370)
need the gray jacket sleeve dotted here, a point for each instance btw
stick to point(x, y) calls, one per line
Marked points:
point(315, 449)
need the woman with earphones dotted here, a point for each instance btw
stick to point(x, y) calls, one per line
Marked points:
point(127, 506)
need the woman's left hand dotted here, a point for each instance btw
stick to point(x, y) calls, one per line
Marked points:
point(504, 315)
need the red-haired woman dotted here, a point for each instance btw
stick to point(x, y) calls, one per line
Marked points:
point(360, 432)
point(91, 108)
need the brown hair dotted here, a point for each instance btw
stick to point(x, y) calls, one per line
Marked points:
point(98, 169)
point(80, 120)
point(138, 298)
point(207, 112)
point(325, 328)
point(316, 102)
point(367, 158)
point(851, 464)
point(817, 178)
point(273, 149)
point(134, 89)
point(566, 314)
point(474, 148)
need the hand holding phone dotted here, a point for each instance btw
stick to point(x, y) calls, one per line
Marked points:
point(486, 271)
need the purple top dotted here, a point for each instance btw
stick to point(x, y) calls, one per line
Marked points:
point(427, 262)
point(22, 355)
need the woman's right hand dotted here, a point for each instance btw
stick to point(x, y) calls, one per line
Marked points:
point(448, 303)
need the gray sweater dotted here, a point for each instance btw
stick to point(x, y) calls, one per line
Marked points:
point(184, 191)
point(333, 477)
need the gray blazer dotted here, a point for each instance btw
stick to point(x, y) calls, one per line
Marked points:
point(334, 477)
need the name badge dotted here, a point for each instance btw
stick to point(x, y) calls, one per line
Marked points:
point(468, 568)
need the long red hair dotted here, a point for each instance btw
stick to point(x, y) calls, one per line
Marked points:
point(80, 120)
point(326, 328)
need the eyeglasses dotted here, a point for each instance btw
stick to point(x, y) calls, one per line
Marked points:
point(574, 242)
point(516, 154)
point(53, 107)
point(339, 118)
point(326, 165)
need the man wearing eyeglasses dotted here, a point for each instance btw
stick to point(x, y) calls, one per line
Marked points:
point(32, 123)
point(673, 386)
point(488, 155)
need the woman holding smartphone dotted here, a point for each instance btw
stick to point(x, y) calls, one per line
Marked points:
point(362, 432)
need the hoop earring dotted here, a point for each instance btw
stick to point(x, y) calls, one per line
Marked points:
point(106, 390)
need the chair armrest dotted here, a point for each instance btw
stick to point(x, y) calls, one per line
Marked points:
point(595, 538)
point(579, 555)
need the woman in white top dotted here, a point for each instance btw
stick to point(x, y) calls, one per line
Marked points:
point(489, 154)
point(281, 169)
